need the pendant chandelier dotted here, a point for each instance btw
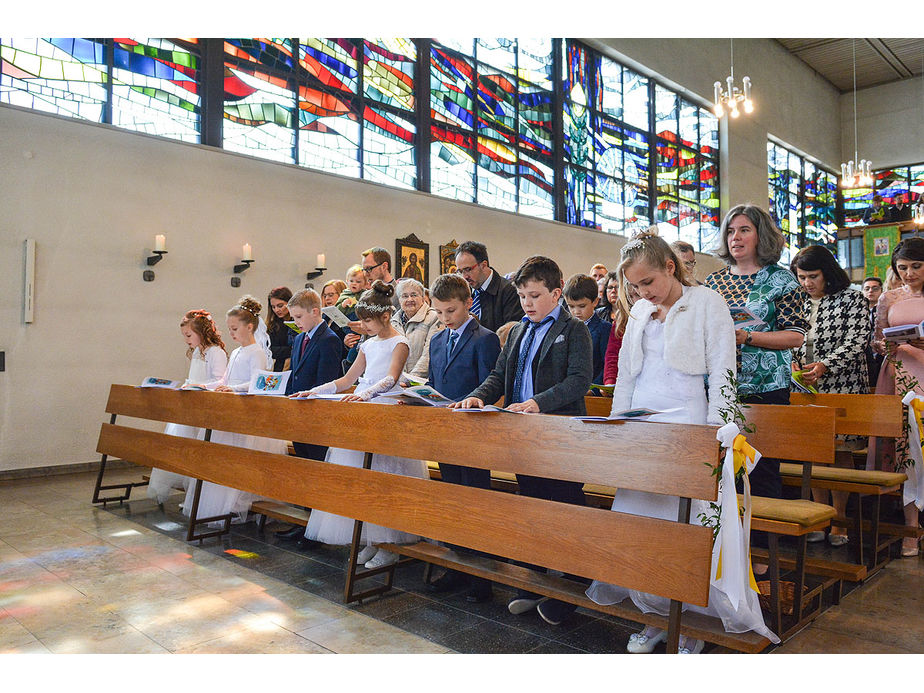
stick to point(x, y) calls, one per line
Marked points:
point(729, 99)
point(919, 207)
point(858, 175)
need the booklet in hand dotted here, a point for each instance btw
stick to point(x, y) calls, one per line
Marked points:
point(292, 326)
point(744, 318)
point(419, 395)
point(639, 414)
point(799, 385)
point(490, 408)
point(903, 333)
point(269, 383)
point(333, 312)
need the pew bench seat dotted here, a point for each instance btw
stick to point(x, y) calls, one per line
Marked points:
point(844, 479)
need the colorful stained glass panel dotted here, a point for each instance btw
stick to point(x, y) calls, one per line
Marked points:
point(534, 61)
point(388, 71)
point(535, 119)
point(497, 106)
point(609, 205)
point(259, 114)
point(579, 196)
point(333, 62)
point(610, 88)
point(666, 113)
point(389, 155)
point(155, 88)
point(451, 88)
point(328, 135)
point(499, 53)
point(273, 53)
point(496, 175)
point(452, 165)
point(535, 191)
point(65, 76)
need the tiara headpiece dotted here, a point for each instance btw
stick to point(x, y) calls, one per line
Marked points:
point(252, 312)
point(374, 308)
point(632, 245)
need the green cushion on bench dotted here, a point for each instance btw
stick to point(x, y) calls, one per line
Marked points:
point(856, 476)
point(800, 512)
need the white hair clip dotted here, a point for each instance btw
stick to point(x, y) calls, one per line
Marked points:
point(632, 245)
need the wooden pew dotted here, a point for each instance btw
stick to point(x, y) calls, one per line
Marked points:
point(672, 559)
point(863, 415)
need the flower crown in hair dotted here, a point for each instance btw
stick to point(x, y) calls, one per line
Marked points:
point(632, 245)
point(247, 309)
point(374, 308)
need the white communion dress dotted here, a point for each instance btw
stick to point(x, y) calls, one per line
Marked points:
point(202, 369)
point(660, 387)
point(221, 500)
point(336, 529)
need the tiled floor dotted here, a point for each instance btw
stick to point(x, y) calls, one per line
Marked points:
point(80, 579)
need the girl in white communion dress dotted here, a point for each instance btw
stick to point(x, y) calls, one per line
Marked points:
point(676, 336)
point(207, 361)
point(378, 366)
point(247, 329)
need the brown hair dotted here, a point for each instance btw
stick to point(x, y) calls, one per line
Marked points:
point(306, 299)
point(652, 249)
point(504, 331)
point(247, 309)
point(200, 321)
point(376, 302)
point(770, 241)
point(581, 286)
point(380, 255)
point(449, 286)
point(281, 293)
point(539, 269)
point(338, 284)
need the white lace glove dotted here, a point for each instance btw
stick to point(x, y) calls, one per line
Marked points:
point(383, 385)
point(325, 389)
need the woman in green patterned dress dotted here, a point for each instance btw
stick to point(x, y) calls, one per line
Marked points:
point(768, 307)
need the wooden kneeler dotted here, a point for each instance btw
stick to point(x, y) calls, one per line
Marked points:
point(99, 487)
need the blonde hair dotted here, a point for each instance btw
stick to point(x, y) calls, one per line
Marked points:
point(338, 284)
point(247, 309)
point(650, 248)
point(504, 331)
point(354, 269)
point(306, 299)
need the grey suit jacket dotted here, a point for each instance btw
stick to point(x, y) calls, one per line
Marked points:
point(562, 369)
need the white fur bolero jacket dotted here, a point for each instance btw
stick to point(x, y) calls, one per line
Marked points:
point(699, 339)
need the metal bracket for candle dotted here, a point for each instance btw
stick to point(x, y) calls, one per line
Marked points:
point(317, 273)
point(243, 266)
point(156, 257)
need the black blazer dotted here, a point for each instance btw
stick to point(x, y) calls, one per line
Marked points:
point(320, 363)
point(562, 369)
point(500, 303)
point(472, 359)
point(600, 335)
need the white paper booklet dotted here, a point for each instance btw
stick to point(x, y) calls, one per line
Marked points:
point(640, 414)
point(162, 383)
point(490, 408)
point(333, 312)
point(269, 383)
point(338, 396)
point(419, 395)
point(903, 333)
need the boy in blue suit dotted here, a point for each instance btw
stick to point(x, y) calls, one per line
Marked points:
point(315, 361)
point(461, 357)
point(582, 296)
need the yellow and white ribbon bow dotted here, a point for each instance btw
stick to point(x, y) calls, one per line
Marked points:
point(913, 488)
point(731, 553)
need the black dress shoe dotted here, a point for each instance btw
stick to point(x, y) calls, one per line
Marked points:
point(480, 591)
point(450, 580)
point(554, 612)
point(306, 544)
point(295, 532)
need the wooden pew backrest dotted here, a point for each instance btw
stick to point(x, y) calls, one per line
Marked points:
point(863, 415)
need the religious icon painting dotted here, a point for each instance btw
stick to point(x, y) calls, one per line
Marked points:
point(448, 257)
point(412, 259)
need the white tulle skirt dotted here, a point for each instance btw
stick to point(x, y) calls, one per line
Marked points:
point(222, 500)
point(337, 529)
point(163, 482)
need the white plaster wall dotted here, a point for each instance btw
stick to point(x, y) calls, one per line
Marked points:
point(890, 123)
point(93, 197)
point(792, 102)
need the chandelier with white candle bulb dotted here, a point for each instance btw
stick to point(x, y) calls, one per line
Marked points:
point(856, 175)
point(729, 98)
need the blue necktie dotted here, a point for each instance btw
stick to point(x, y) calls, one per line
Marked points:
point(476, 303)
point(531, 327)
point(453, 338)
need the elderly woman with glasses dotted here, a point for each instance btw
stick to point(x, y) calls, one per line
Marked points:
point(418, 322)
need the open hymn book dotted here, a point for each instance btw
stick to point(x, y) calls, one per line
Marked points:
point(639, 414)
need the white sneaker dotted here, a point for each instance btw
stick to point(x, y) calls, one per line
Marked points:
point(366, 554)
point(690, 646)
point(837, 539)
point(645, 642)
point(814, 537)
point(382, 558)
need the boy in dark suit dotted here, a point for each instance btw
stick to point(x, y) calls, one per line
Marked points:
point(545, 366)
point(315, 361)
point(582, 296)
point(461, 357)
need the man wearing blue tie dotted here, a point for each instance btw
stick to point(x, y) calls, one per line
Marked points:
point(494, 299)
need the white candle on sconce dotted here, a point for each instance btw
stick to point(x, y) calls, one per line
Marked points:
point(248, 252)
point(321, 260)
point(160, 243)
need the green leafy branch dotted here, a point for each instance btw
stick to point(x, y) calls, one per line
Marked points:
point(731, 412)
point(905, 382)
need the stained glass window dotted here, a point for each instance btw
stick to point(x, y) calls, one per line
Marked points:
point(155, 88)
point(904, 181)
point(259, 114)
point(388, 148)
point(275, 53)
point(388, 71)
point(332, 62)
point(452, 164)
point(66, 76)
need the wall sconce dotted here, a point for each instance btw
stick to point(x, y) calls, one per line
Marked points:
point(160, 249)
point(319, 268)
point(246, 259)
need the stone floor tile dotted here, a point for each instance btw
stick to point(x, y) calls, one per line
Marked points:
point(358, 634)
point(269, 640)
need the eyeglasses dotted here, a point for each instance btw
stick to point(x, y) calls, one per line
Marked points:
point(367, 270)
point(466, 270)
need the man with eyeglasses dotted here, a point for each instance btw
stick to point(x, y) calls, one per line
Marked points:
point(687, 255)
point(377, 265)
point(494, 299)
